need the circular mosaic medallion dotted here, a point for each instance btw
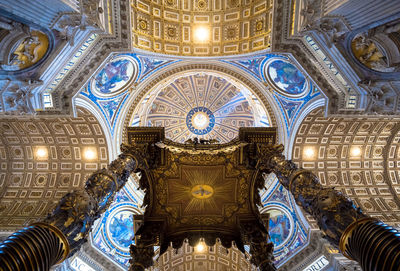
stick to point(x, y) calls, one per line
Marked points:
point(368, 53)
point(200, 120)
point(27, 51)
point(115, 76)
point(279, 227)
point(286, 77)
point(120, 229)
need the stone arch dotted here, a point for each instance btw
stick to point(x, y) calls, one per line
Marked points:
point(161, 76)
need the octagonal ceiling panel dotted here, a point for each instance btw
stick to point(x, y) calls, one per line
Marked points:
point(202, 105)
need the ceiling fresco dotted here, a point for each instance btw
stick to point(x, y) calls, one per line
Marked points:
point(201, 69)
point(286, 77)
point(143, 67)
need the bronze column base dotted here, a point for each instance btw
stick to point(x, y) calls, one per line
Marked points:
point(37, 247)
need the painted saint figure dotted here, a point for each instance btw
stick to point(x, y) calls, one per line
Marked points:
point(112, 74)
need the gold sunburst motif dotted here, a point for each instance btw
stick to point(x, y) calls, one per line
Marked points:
point(203, 190)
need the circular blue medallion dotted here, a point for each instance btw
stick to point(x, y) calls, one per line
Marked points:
point(200, 120)
point(286, 77)
point(121, 229)
point(115, 76)
point(279, 227)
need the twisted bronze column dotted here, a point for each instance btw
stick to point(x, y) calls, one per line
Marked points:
point(374, 245)
point(261, 249)
point(37, 247)
point(62, 232)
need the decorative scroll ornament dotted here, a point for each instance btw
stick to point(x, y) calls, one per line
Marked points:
point(17, 97)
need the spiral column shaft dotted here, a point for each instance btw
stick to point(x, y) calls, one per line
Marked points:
point(37, 247)
point(374, 245)
point(66, 228)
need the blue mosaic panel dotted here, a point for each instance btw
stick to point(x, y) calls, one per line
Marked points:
point(291, 107)
point(286, 77)
point(121, 229)
point(114, 233)
point(279, 227)
point(114, 76)
point(288, 232)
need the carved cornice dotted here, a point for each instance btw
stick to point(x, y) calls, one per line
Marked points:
point(282, 41)
point(307, 255)
point(197, 148)
point(104, 46)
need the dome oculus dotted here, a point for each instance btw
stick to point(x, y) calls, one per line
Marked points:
point(200, 120)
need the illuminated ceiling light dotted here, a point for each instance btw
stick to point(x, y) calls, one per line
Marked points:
point(200, 120)
point(355, 151)
point(90, 154)
point(41, 152)
point(200, 247)
point(202, 34)
point(309, 152)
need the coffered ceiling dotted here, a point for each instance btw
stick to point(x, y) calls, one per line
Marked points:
point(43, 159)
point(201, 27)
point(356, 156)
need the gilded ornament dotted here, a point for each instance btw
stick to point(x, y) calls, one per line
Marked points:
point(259, 25)
point(171, 31)
point(142, 24)
point(231, 33)
point(201, 4)
point(202, 191)
point(29, 51)
point(160, 14)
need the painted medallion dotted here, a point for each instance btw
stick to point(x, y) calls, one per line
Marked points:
point(115, 76)
point(286, 77)
point(279, 227)
point(120, 228)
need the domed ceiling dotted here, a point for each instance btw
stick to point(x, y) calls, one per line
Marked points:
point(201, 27)
point(208, 101)
point(202, 105)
